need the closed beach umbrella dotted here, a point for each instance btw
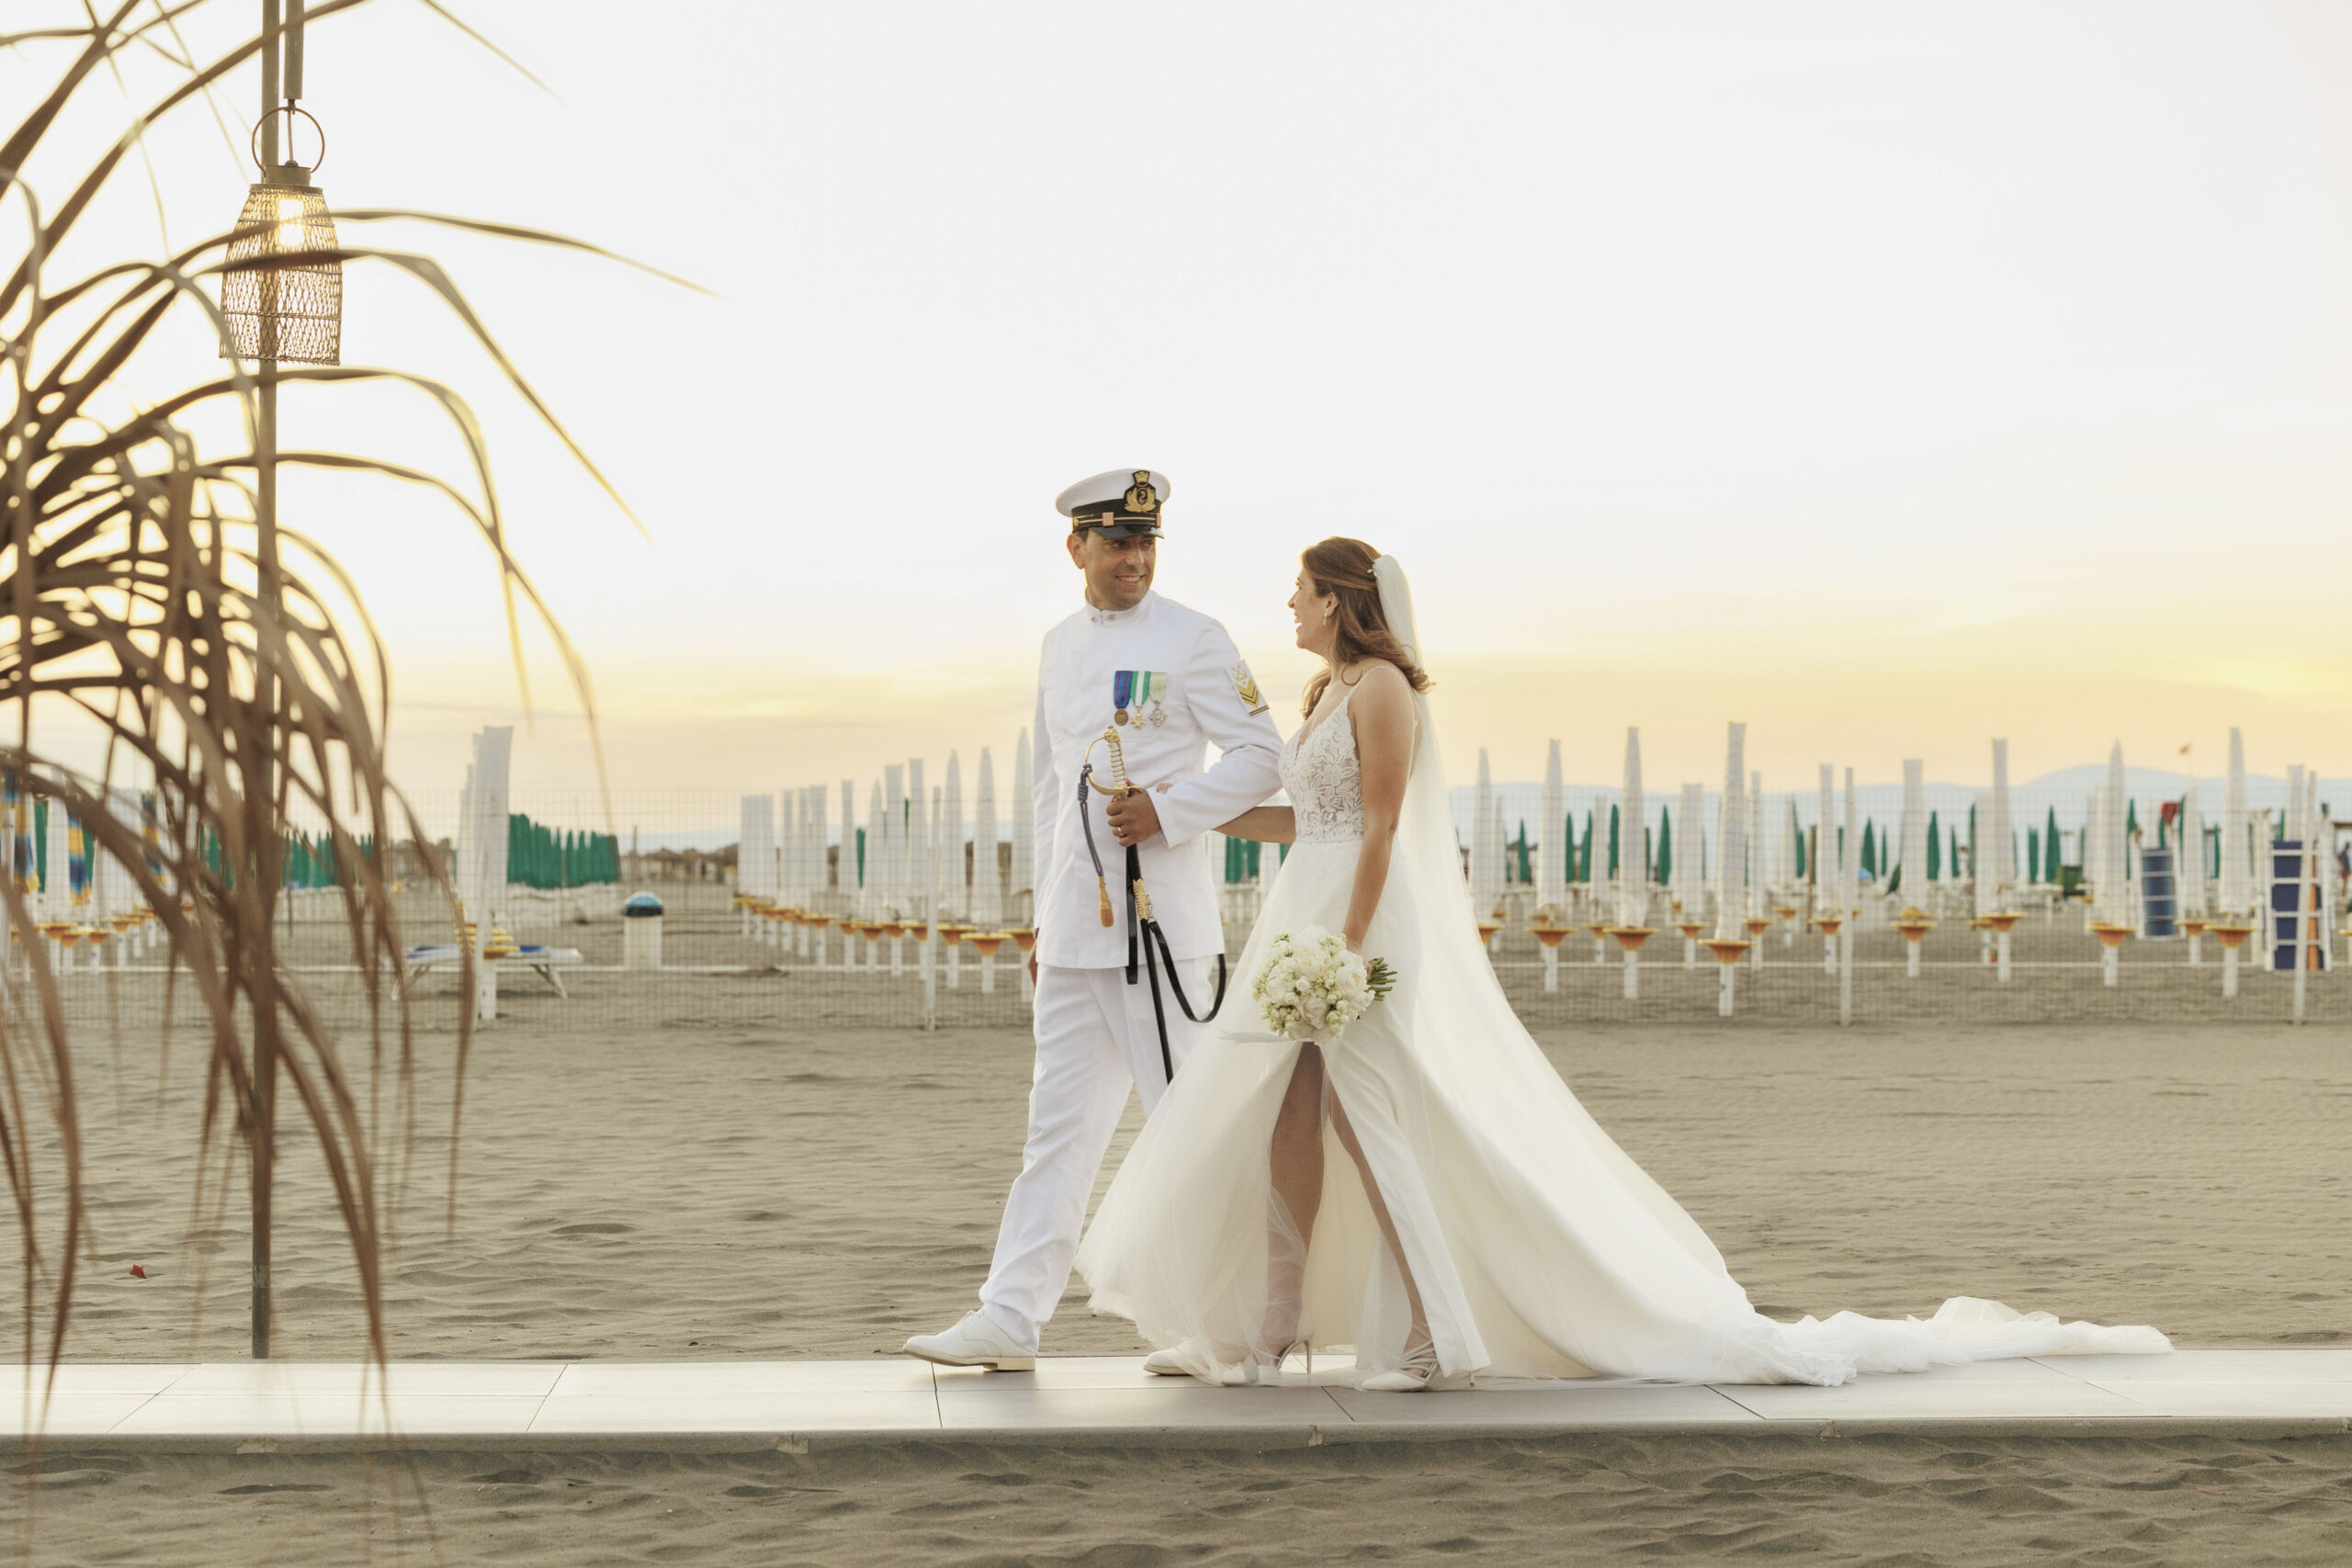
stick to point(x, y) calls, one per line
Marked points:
point(820, 833)
point(917, 830)
point(988, 888)
point(1911, 853)
point(1633, 877)
point(2114, 893)
point(873, 859)
point(1824, 841)
point(1024, 835)
point(1994, 862)
point(1486, 855)
point(951, 836)
point(1731, 843)
point(1850, 850)
point(846, 873)
point(1689, 866)
point(2195, 887)
point(1758, 872)
point(1552, 867)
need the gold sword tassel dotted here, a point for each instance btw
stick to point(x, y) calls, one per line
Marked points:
point(1120, 786)
point(1116, 786)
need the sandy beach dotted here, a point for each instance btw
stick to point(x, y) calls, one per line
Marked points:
point(720, 1187)
point(727, 1189)
point(1877, 1501)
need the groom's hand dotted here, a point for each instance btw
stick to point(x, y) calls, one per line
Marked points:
point(1133, 816)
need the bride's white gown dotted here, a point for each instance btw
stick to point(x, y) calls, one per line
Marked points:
point(1540, 1249)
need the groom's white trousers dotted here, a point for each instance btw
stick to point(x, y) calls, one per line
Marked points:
point(1095, 1037)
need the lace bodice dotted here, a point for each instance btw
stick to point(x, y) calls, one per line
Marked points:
point(1324, 779)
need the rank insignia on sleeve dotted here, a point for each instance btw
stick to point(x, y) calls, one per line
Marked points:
point(1245, 686)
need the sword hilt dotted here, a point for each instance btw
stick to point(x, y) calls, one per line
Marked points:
point(1114, 782)
point(1118, 764)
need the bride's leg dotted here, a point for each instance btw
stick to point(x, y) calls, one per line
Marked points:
point(1297, 1157)
point(1419, 1335)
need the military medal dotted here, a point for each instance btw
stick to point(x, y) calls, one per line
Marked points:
point(1142, 692)
point(1122, 686)
point(1159, 691)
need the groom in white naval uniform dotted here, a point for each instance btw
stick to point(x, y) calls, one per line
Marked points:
point(1168, 682)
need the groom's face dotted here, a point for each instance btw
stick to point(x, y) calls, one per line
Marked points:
point(1118, 572)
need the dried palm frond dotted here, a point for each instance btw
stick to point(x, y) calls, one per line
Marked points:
point(246, 691)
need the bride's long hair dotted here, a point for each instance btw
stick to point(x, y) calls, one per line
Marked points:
point(1343, 567)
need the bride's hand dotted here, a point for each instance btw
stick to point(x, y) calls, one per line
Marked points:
point(1355, 944)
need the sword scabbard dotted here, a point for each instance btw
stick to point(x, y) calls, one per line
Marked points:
point(1143, 901)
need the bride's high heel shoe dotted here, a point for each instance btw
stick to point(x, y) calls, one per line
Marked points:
point(1419, 1374)
point(1270, 1365)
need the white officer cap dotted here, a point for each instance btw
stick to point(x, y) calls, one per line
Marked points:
point(1120, 503)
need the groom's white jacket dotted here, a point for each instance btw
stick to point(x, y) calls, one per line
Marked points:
point(1208, 697)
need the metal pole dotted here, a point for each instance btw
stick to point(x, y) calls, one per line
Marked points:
point(260, 777)
point(1845, 970)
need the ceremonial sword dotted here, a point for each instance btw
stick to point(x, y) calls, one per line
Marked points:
point(1141, 928)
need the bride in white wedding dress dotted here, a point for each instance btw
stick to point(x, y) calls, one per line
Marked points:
point(1424, 1189)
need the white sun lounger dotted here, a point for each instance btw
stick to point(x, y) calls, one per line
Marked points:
point(541, 961)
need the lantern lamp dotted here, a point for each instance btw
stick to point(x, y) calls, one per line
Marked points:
point(292, 311)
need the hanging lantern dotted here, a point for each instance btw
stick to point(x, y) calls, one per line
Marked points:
point(291, 312)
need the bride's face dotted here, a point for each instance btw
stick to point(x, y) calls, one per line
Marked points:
point(1311, 615)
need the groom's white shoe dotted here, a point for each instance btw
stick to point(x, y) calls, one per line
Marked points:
point(977, 1341)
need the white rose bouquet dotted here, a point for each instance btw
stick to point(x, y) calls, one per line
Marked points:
point(1311, 987)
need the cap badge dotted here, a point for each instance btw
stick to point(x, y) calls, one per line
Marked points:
point(1141, 499)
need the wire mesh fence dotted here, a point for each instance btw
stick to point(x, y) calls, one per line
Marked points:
point(840, 953)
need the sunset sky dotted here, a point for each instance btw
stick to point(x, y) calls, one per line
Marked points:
point(1888, 377)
